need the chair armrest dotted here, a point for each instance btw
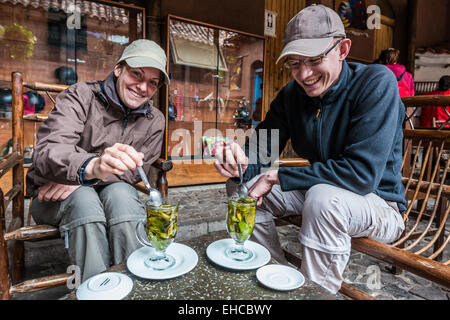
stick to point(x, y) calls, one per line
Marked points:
point(163, 165)
point(292, 162)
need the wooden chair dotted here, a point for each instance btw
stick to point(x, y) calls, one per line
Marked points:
point(419, 249)
point(16, 233)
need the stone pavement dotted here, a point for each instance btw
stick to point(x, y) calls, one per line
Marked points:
point(203, 210)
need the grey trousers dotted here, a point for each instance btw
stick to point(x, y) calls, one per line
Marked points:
point(331, 216)
point(100, 225)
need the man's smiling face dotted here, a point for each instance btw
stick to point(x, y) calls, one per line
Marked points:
point(316, 80)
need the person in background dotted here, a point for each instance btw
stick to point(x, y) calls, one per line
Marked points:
point(84, 165)
point(346, 120)
point(433, 114)
point(405, 81)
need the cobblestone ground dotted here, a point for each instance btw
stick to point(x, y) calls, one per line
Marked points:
point(203, 210)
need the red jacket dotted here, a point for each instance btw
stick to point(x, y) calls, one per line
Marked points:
point(406, 82)
point(438, 113)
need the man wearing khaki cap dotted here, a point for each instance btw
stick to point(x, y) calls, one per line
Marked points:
point(85, 160)
point(346, 119)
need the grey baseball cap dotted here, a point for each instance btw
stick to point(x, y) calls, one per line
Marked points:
point(311, 31)
point(145, 53)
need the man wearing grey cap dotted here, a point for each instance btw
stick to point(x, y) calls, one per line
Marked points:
point(85, 160)
point(346, 119)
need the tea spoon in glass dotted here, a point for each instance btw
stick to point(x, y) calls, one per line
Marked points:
point(155, 198)
point(242, 189)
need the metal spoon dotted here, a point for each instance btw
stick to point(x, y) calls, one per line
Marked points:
point(242, 189)
point(155, 197)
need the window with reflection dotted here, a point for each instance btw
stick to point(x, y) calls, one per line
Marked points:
point(216, 84)
point(60, 41)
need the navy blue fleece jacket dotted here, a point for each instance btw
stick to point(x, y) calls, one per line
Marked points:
point(352, 136)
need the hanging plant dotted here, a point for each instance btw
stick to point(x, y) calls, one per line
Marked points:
point(19, 40)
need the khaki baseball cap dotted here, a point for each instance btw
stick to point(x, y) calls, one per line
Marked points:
point(145, 53)
point(311, 31)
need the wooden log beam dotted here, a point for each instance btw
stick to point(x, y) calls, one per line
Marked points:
point(354, 293)
point(32, 233)
point(421, 266)
point(292, 162)
point(427, 135)
point(41, 283)
point(425, 185)
point(42, 86)
point(9, 161)
point(11, 194)
point(426, 101)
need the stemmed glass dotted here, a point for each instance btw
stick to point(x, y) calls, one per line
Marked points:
point(240, 225)
point(160, 230)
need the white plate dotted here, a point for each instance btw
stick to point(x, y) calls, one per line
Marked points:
point(280, 277)
point(105, 286)
point(216, 253)
point(185, 260)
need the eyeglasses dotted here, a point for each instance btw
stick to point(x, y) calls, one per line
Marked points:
point(294, 64)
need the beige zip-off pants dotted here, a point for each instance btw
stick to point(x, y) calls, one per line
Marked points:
point(331, 216)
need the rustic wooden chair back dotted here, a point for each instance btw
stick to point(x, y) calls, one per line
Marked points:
point(426, 191)
point(425, 168)
point(16, 233)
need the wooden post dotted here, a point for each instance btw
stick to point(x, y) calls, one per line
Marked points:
point(412, 28)
point(439, 219)
point(18, 179)
point(161, 182)
point(5, 281)
point(132, 27)
point(153, 22)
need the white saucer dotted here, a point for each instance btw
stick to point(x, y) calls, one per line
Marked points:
point(216, 253)
point(280, 277)
point(185, 260)
point(105, 286)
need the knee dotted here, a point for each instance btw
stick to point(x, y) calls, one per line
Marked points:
point(83, 206)
point(117, 190)
point(121, 203)
point(324, 205)
point(120, 194)
point(84, 199)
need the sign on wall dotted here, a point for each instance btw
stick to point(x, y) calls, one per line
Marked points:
point(270, 23)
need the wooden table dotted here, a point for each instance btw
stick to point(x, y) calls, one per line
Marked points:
point(211, 282)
